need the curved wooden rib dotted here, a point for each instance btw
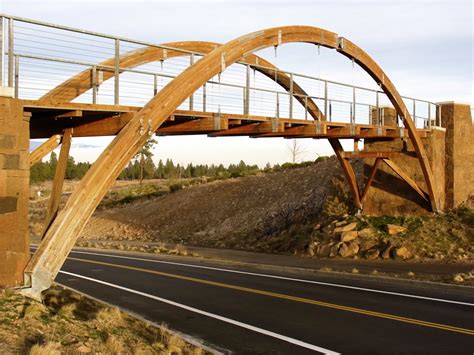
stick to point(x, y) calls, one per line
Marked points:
point(66, 228)
point(79, 84)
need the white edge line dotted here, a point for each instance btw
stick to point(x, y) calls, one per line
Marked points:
point(284, 278)
point(208, 314)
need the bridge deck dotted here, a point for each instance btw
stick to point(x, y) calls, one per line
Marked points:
point(48, 119)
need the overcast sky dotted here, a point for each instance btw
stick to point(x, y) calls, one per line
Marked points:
point(424, 46)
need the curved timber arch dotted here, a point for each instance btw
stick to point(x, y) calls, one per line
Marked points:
point(63, 232)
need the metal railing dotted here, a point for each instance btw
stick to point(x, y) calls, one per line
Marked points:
point(36, 56)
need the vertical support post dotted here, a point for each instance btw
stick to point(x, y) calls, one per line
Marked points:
point(277, 105)
point(377, 109)
point(58, 181)
point(330, 111)
point(247, 91)
point(117, 72)
point(191, 98)
point(353, 105)
point(291, 96)
point(204, 94)
point(17, 76)
point(94, 84)
point(414, 112)
point(429, 112)
point(10, 52)
point(306, 107)
point(155, 84)
point(2, 52)
point(325, 99)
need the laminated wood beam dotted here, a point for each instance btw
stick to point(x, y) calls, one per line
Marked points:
point(58, 181)
point(373, 171)
point(405, 177)
point(348, 171)
point(45, 148)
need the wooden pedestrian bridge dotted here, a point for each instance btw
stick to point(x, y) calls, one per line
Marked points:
point(69, 83)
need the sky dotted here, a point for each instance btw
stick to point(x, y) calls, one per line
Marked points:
point(425, 47)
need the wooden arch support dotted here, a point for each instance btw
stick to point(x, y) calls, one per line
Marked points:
point(65, 229)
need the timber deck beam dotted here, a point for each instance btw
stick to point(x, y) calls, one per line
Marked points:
point(90, 120)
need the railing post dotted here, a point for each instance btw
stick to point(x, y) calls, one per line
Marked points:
point(2, 51)
point(10, 52)
point(277, 105)
point(353, 110)
point(429, 111)
point(155, 84)
point(377, 110)
point(94, 84)
point(17, 76)
point(414, 112)
point(191, 98)
point(247, 91)
point(291, 97)
point(204, 98)
point(330, 111)
point(306, 107)
point(117, 72)
point(325, 99)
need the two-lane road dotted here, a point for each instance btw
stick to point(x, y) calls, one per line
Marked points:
point(247, 310)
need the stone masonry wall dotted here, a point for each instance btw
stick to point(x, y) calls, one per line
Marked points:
point(14, 192)
point(457, 120)
point(451, 154)
point(389, 194)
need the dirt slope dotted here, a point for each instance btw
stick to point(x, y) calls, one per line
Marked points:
point(245, 213)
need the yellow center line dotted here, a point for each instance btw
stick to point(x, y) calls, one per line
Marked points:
point(288, 297)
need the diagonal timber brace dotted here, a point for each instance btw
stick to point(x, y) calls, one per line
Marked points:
point(47, 147)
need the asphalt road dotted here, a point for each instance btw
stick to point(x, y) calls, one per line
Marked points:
point(250, 310)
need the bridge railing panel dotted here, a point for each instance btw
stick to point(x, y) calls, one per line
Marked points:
point(36, 57)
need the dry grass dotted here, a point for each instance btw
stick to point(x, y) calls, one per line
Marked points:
point(70, 323)
point(51, 348)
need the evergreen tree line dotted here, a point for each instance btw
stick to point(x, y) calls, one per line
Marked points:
point(168, 170)
point(43, 171)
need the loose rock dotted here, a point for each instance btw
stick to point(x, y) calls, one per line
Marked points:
point(367, 244)
point(348, 249)
point(394, 229)
point(402, 253)
point(348, 236)
point(367, 233)
point(372, 254)
point(346, 228)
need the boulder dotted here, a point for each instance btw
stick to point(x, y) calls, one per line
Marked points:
point(367, 233)
point(324, 250)
point(394, 229)
point(346, 228)
point(372, 254)
point(348, 236)
point(312, 247)
point(367, 244)
point(348, 249)
point(387, 252)
point(334, 250)
point(402, 253)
